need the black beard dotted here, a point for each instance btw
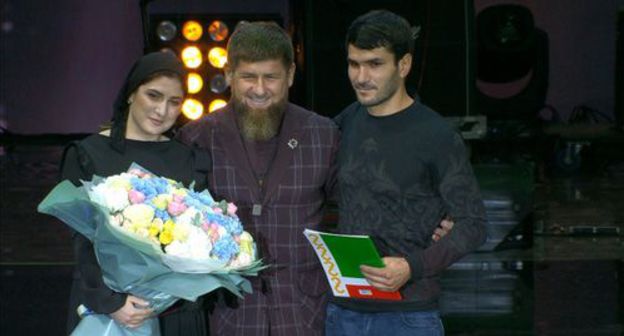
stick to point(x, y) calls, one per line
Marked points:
point(259, 124)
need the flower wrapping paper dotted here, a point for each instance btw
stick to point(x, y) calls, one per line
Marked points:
point(137, 265)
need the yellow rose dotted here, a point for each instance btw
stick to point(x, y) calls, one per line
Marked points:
point(139, 215)
point(154, 230)
point(119, 182)
point(161, 201)
point(165, 237)
point(169, 224)
point(158, 222)
point(180, 192)
point(246, 243)
point(155, 227)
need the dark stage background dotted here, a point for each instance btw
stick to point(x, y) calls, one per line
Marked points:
point(62, 61)
point(552, 185)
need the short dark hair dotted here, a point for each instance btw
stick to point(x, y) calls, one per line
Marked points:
point(382, 28)
point(259, 41)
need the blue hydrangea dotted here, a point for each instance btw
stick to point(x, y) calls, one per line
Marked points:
point(201, 197)
point(150, 187)
point(160, 184)
point(144, 187)
point(193, 202)
point(232, 225)
point(162, 214)
point(225, 248)
point(204, 202)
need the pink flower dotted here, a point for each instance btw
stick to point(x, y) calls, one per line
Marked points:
point(137, 172)
point(176, 208)
point(214, 236)
point(136, 196)
point(217, 210)
point(231, 209)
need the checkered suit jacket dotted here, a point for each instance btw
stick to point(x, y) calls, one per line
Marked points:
point(289, 298)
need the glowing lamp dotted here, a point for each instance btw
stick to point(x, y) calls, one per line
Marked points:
point(216, 104)
point(192, 108)
point(192, 30)
point(217, 56)
point(194, 83)
point(192, 57)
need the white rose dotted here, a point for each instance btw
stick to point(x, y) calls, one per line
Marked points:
point(199, 243)
point(140, 215)
point(181, 231)
point(114, 199)
point(186, 218)
point(177, 248)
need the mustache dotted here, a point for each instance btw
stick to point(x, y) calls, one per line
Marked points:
point(255, 96)
point(364, 86)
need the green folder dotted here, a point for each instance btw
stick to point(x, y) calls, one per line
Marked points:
point(351, 251)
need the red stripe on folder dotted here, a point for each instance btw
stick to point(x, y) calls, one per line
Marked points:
point(369, 292)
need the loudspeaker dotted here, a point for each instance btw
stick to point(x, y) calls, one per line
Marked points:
point(442, 74)
point(524, 105)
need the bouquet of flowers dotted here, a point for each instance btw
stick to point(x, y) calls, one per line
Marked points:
point(155, 239)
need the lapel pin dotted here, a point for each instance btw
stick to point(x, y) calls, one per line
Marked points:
point(292, 143)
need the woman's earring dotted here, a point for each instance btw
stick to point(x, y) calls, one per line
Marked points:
point(129, 101)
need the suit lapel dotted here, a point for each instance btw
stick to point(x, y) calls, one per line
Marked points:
point(288, 144)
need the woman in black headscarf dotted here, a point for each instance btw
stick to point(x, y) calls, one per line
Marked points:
point(146, 108)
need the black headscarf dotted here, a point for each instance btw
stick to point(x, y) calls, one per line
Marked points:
point(140, 71)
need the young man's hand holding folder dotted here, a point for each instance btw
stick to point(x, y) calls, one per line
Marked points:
point(389, 278)
point(354, 268)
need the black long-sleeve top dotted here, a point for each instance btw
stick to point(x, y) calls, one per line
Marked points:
point(399, 175)
point(95, 156)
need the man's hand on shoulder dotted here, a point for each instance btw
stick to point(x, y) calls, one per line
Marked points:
point(389, 278)
point(443, 229)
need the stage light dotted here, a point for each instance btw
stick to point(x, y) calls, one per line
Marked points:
point(199, 38)
point(218, 84)
point(194, 83)
point(166, 31)
point(218, 31)
point(192, 108)
point(216, 104)
point(192, 30)
point(217, 57)
point(192, 57)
